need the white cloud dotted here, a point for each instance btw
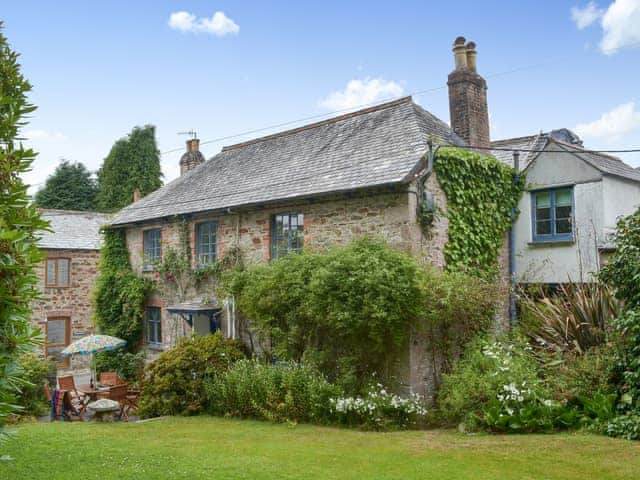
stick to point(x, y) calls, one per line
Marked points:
point(585, 16)
point(219, 24)
point(620, 26)
point(362, 92)
point(612, 125)
point(46, 135)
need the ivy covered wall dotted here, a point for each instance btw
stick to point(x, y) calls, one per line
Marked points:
point(481, 194)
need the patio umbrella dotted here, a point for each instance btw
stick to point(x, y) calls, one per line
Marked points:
point(92, 344)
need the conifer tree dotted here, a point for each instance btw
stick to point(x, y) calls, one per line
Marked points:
point(133, 162)
point(69, 187)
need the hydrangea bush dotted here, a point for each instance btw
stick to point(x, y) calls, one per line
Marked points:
point(379, 410)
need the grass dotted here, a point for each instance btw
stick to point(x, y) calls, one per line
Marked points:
point(205, 447)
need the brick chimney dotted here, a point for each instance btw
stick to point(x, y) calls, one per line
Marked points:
point(192, 157)
point(468, 96)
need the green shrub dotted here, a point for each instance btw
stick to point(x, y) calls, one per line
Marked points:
point(283, 392)
point(349, 311)
point(456, 309)
point(33, 371)
point(625, 426)
point(129, 366)
point(574, 319)
point(174, 383)
point(379, 410)
point(583, 375)
point(496, 386)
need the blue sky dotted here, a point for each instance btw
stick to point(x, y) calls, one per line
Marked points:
point(226, 67)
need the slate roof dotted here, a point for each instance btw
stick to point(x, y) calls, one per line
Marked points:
point(376, 146)
point(73, 230)
point(607, 164)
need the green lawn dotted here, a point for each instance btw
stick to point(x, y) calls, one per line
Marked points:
point(204, 447)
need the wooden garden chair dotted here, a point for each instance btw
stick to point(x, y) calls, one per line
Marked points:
point(78, 399)
point(118, 393)
point(108, 378)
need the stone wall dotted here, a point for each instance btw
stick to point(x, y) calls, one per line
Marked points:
point(73, 301)
point(332, 221)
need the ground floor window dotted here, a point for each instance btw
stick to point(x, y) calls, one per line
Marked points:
point(153, 325)
point(58, 337)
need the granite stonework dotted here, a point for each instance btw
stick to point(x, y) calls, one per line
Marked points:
point(73, 302)
point(335, 220)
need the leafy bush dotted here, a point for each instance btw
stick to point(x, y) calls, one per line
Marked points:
point(348, 311)
point(583, 375)
point(379, 410)
point(351, 310)
point(33, 371)
point(174, 383)
point(129, 366)
point(283, 392)
point(496, 385)
point(625, 426)
point(576, 318)
point(456, 309)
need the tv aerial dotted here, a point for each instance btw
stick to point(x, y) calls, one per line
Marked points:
point(192, 133)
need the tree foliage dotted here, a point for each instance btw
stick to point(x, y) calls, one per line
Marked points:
point(19, 223)
point(133, 162)
point(69, 187)
point(481, 194)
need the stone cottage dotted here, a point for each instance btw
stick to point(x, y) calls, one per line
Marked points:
point(321, 184)
point(66, 279)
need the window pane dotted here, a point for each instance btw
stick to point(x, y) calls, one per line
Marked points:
point(543, 214)
point(57, 331)
point(63, 272)
point(543, 228)
point(563, 212)
point(563, 197)
point(563, 226)
point(543, 200)
point(51, 272)
point(56, 353)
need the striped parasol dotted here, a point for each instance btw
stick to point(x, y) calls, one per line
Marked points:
point(93, 344)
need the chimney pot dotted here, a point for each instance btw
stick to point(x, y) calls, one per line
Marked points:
point(471, 56)
point(460, 53)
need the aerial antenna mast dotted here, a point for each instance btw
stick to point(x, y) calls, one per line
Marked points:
point(192, 133)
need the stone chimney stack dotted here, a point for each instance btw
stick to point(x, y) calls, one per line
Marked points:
point(192, 157)
point(136, 195)
point(468, 96)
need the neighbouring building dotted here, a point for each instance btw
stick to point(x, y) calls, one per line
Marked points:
point(66, 279)
point(569, 210)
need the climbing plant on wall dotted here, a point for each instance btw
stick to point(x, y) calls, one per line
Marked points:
point(120, 295)
point(481, 194)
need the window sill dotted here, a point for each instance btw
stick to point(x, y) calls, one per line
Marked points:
point(552, 241)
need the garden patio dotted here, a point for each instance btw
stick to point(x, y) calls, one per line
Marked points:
point(208, 447)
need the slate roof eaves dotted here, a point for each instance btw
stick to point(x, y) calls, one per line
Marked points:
point(375, 147)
